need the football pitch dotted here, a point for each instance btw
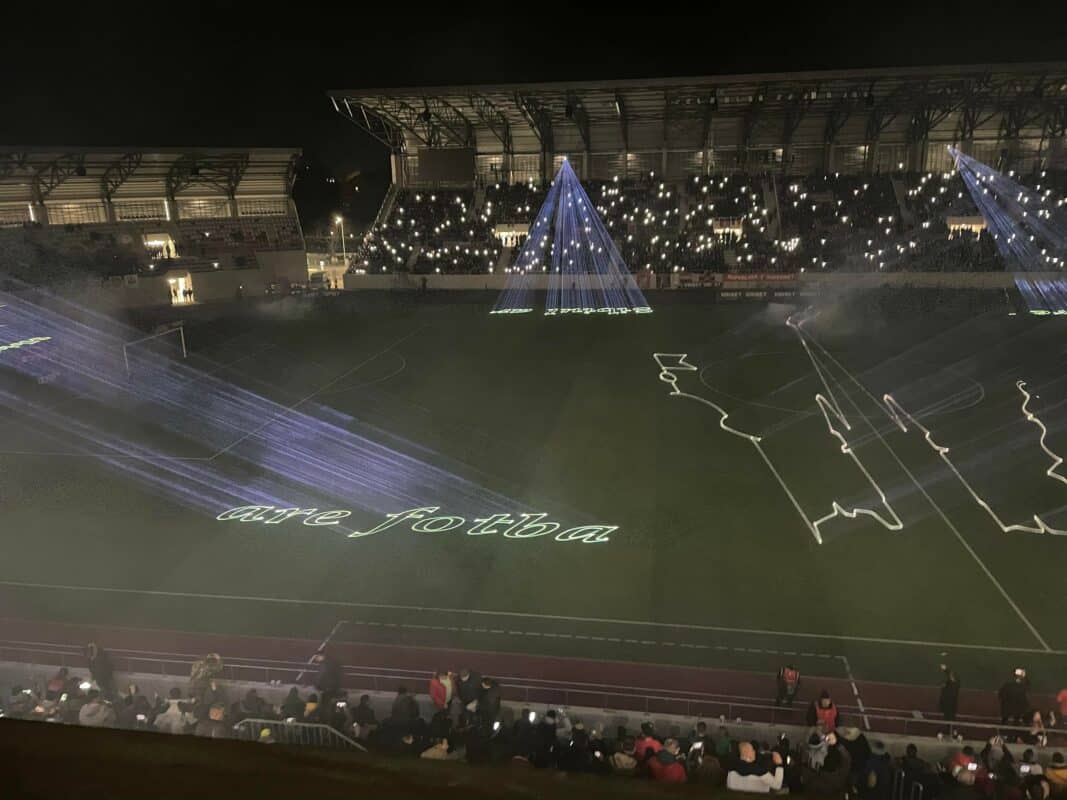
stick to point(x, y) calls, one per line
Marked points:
point(869, 484)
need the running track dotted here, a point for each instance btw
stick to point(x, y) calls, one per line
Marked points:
point(536, 680)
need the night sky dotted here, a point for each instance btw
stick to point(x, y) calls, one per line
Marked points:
point(230, 74)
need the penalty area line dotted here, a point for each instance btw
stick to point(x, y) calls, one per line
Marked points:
point(529, 615)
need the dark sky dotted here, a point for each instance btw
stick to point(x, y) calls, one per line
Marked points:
point(236, 74)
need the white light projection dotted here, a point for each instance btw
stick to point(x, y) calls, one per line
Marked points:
point(898, 414)
point(672, 363)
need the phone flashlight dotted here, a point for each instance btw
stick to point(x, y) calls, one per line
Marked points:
point(63, 697)
point(1024, 769)
point(972, 767)
point(532, 716)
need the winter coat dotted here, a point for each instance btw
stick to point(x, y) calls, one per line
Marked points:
point(832, 779)
point(405, 709)
point(489, 702)
point(950, 698)
point(646, 746)
point(623, 763)
point(468, 690)
point(439, 692)
point(666, 768)
point(174, 720)
point(757, 782)
point(97, 714)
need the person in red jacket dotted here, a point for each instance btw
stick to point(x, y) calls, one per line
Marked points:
point(441, 689)
point(823, 712)
point(647, 744)
point(666, 766)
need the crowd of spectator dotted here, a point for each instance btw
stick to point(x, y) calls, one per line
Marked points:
point(717, 223)
point(468, 724)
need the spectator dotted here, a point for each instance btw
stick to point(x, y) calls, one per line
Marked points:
point(176, 718)
point(1029, 765)
point(97, 712)
point(859, 753)
point(329, 678)
point(313, 712)
point(822, 713)
point(788, 685)
point(665, 766)
point(363, 714)
point(1037, 734)
point(405, 709)
point(624, 762)
point(1057, 774)
point(647, 744)
point(489, 702)
point(441, 689)
point(254, 706)
point(468, 687)
point(202, 672)
point(439, 751)
point(546, 751)
point(948, 702)
point(524, 734)
point(827, 773)
point(876, 778)
point(293, 706)
point(214, 725)
point(1014, 701)
point(57, 684)
point(1061, 700)
point(748, 774)
point(101, 670)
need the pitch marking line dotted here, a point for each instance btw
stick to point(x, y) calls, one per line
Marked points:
point(530, 615)
point(288, 409)
point(340, 624)
point(922, 490)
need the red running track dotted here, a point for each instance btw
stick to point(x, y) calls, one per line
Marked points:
point(534, 679)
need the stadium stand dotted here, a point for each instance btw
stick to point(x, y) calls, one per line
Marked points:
point(835, 171)
point(180, 226)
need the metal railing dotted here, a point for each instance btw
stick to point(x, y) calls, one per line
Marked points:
point(299, 733)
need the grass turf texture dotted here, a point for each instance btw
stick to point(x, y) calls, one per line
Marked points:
point(568, 416)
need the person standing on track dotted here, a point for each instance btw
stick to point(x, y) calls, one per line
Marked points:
point(788, 684)
point(949, 700)
point(1014, 701)
point(823, 713)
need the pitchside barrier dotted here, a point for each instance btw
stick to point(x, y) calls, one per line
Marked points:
point(611, 705)
point(803, 282)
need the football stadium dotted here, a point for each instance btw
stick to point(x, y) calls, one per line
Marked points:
point(652, 399)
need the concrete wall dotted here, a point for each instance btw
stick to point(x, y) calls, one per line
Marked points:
point(835, 280)
point(284, 266)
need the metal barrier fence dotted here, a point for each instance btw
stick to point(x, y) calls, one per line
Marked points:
point(298, 733)
point(532, 691)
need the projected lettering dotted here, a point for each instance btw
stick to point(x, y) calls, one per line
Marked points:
point(422, 520)
point(24, 343)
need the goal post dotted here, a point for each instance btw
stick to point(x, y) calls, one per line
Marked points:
point(177, 345)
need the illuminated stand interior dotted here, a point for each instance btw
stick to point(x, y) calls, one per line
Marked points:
point(569, 243)
point(1029, 228)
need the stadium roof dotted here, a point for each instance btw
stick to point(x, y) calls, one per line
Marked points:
point(769, 109)
point(36, 174)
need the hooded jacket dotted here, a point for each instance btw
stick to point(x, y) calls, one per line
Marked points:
point(665, 767)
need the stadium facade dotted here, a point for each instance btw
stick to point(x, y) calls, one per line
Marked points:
point(178, 224)
point(849, 121)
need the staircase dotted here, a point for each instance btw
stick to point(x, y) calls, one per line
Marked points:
point(770, 201)
point(504, 261)
point(386, 210)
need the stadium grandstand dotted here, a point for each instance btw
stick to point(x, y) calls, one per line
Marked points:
point(844, 170)
point(144, 227)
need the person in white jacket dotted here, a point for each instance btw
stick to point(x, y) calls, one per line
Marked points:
point(748, 776)
point(174, 719)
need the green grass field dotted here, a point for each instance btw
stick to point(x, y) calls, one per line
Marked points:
point(714, 560)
